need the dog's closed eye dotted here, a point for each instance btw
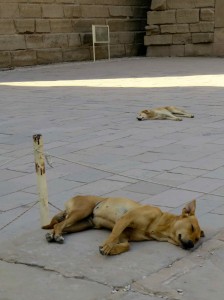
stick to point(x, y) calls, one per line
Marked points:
point(192, 228)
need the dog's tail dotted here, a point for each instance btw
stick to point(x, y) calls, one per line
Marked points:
point(56, 219)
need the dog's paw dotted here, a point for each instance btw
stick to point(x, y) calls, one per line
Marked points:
point(179, 119)
point(59, 239)
point(105, 249)
point(192, 116)
point(49, 237)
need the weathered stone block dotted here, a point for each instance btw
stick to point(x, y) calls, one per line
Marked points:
point(84, 25)
point(102, 52)
point(34, 41)
point(123, 38)
point(124, 25)
point(134, 50)
point(86, 39)
point(52, 11)
point(42, 1)
point(42, 26)
point(202, 27)
point(74, 39)
point(25, 25)
point(139, 12)
point(205, 3)
point(96, 11)
point(158, 5)
point(121, 11)
point(171, 4)
point(219, 35)
point(163, 39)
point(78, 54)
point(152, 29)
point(161, 17)
point(61, 25)
point(24, 58)
point(65, 1)
point(198, 49)
point(158, 51)
point(72, 11)
point(198, 38)
point(5, 59)
point(30, 11)
point(182, 38)
point(219, 14)
point(218, 50)
point(176, 28)
point(55, 41)
point(46, 56)
point(187, 15)
point(9, 10)
point(12, 42)
point(7, 26)
point(116, 51)
point(177, 50)
point(207, 14)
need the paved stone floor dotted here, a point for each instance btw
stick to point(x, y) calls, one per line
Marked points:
point(86, 113)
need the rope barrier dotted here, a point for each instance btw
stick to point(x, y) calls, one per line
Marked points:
point(50, 162)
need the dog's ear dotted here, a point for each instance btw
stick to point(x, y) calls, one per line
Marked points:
point(202, 233)
point(189, 209)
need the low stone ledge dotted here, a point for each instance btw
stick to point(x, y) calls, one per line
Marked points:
point(5, 59)
point(24, 58)
point(198, 50)
point(158, 51)
point(46, 56)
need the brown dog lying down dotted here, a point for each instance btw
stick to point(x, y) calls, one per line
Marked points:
point(128, 220)
point(164, 113)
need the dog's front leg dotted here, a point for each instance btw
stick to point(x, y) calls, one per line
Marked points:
point(111, 246)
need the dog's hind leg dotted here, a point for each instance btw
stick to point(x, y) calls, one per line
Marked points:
point(179, 112)
point(80, 226)
point(72, 219)
point(170, 116)
point(55, 220)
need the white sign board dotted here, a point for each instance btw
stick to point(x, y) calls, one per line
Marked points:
point(101, 35)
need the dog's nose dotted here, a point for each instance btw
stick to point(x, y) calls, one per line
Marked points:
point(139, 118)
point(188, 245)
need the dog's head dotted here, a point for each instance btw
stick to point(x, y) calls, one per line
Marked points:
point(143, 115)
point(186, 229)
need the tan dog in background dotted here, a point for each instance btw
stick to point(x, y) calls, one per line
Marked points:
point(164, 113)
point(128, 220)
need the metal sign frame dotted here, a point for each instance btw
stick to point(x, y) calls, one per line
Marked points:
point(100, 35)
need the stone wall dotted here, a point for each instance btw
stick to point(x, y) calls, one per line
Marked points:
point(185, 28)
point(47, 31)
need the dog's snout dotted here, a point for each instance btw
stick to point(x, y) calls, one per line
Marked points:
point(188, 245)
point(139, 118)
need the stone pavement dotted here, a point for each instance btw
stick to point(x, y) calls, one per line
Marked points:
point(86, 113)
